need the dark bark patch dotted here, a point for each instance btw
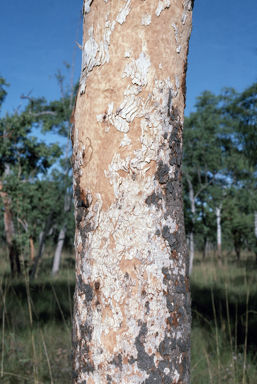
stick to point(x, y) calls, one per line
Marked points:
point(144, 361)
point(157, 233)
point(117, 361)
point(162, 172)
point(154, 199)
point(181, 286)
point(132, 360)
point(85, 288)
point(184, 345)
point(88, 368)
point(169, 237)
point(87, 331)
point(97, 285)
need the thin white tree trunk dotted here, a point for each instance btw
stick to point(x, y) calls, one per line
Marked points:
point(218, 217)
point(132, 301)
point(40, 241)
point(58, 251)
point(255, 230)
point(255, 223)
point(191, 252)
point(192, 246)
point(61, 238)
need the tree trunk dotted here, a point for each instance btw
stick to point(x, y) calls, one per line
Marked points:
point(238, 253)
point(10, 233)
point(255, 231)
point(205, 243)
point(58, 251)
point(61, 238)
point(192, 246)
point(192, 203)
point(191, 252)
point(32, 249)
point(218, 217)
point(132, 300)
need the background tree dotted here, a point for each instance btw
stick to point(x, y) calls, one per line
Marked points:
point(23, 159)
point(202, 155)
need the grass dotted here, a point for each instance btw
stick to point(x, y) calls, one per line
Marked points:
point(35, 320)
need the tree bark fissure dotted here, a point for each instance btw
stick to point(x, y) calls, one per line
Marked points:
point(132, 309)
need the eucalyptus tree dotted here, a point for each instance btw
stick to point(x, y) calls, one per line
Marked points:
point(243, 109)
point(23, 159)
point(239, 112)
point(58, 121)
point(202, 155)
point(132, 302)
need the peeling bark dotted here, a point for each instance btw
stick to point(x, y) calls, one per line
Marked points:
point(132, 308)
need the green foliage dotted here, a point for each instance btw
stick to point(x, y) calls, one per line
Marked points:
point(3, 92)
point(243, 109)
point(214, 358)
point(35, 175)
point(219, 160)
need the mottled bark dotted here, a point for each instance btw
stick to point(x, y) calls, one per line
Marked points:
point(132, 309)
point(218, 217)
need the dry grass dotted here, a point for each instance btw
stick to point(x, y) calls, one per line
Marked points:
point(36, 322)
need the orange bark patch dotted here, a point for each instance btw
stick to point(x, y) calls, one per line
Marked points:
point(129, 266)
point(112, 242)
point(109, 341)
point(106, 312)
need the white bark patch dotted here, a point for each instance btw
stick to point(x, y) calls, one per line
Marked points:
point(125, 141)
point(255, 223)
point(187, 8)
point(87, 6)
point(177, 82)
point(138, 70)
point(161, 6)
point(123, 13)
point(121, 294)
point(94, 54)
point(176, 37)
point(146, 19)
point(176, 376)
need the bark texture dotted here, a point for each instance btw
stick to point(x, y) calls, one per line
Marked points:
point(132, 309)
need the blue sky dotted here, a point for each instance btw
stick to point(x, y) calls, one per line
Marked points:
point(36, 37)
